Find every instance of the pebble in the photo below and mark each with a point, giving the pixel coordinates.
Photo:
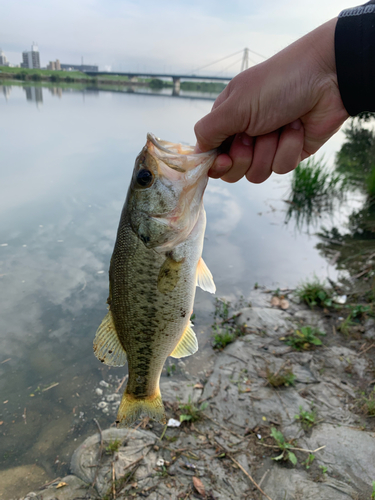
(103, 383)
(99, 391)
(102, 405)
(113, 397)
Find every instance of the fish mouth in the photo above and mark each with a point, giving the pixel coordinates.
(179, 158)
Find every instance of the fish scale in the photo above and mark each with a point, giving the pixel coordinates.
(155, 267)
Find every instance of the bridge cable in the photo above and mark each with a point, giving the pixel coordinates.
(219, 60)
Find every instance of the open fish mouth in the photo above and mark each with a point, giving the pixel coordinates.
(179, 157)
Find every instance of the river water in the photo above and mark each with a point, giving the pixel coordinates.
(66, 161)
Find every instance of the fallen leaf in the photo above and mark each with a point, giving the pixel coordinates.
(275, 301)
(284, 304)
(1, 422)
(61, 484)
(198, 386)
(5, 402)
(198, 485)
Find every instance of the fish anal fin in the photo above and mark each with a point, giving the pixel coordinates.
(204, 277)
(132, 408)
(187, 345)
(107, 346)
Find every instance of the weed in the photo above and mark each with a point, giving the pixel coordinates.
(225, 328)
(373, 491)
(367, 404)
(304, 338)
(313, 190)
(113, 447)
(171, 370)
(284, 447)
(222, 307)
(256, 285)
(344, 327)
(314, 293)
(222, 338)
(284, 376)
(359, 311)
(190, 412)
(307, 418)
(323, 469)
(309, 460)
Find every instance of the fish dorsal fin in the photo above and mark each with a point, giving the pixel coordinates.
(188, 344)
(204, 277)
(107, 346)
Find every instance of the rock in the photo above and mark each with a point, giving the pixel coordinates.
(180, 390)
(74, 488)
(17, 481)
(289, 484)
(135, 443)
(348, 453)
(272, 321)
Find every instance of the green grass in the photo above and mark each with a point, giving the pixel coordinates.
(305, 338)
(306, 418)
(314, 189)
(190, 412)
(225, 329)
(222, 338)
(113, 447)
(283, 377)
(25, 73)
(367, 403)
(315, 293)
(373, 491)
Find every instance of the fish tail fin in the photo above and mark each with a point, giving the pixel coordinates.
(131, 409)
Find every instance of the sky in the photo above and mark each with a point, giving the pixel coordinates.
(165, 35)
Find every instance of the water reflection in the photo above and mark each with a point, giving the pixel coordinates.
(34, 94)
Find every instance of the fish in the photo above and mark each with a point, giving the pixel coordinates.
(154, 270)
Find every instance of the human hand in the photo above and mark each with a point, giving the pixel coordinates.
(277, 113)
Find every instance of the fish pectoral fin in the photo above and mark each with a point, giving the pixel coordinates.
(107, 345)
(204, 277)
(169, 275)
(187, 345)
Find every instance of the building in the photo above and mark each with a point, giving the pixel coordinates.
(31, 59)
(54, 65)
(3, 59)
(79, 67)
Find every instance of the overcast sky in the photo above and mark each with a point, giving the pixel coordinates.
(164, 35)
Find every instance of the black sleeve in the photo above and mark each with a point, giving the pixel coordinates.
(355, 57)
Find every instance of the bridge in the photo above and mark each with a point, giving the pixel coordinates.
(176, 78)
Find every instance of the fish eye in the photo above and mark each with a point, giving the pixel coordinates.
(144, 178)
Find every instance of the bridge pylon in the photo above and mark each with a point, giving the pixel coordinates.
(245, 59)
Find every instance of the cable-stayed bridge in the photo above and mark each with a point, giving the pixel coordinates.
(176, 78)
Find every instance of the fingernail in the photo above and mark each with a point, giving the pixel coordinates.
(296, 125)
(245, 139)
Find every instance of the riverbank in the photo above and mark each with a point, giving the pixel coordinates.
(77, 77)
(272, 418)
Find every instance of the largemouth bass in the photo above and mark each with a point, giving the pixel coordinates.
(155, 267)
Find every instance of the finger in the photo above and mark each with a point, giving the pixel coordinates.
(221, 166)
(241, 153)
(224, 121)
(289, 149)
(264, 152)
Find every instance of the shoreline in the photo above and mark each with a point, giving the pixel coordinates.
(232, 437)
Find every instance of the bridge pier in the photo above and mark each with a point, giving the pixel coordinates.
(176, 85)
